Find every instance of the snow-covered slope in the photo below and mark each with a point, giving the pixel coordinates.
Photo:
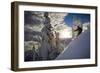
(78, 48)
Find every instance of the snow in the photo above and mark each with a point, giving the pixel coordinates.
(79, 48)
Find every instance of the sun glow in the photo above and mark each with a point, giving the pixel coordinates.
(65, 33)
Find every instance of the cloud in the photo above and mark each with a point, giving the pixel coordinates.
(64, 31)
(57, 21)
(86, 26)
(32, 28)
(33, 18)
(34, 23)
(57, 18)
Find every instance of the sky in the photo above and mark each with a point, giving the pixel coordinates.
(34, 18)
(84, 18)
(68, 19)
